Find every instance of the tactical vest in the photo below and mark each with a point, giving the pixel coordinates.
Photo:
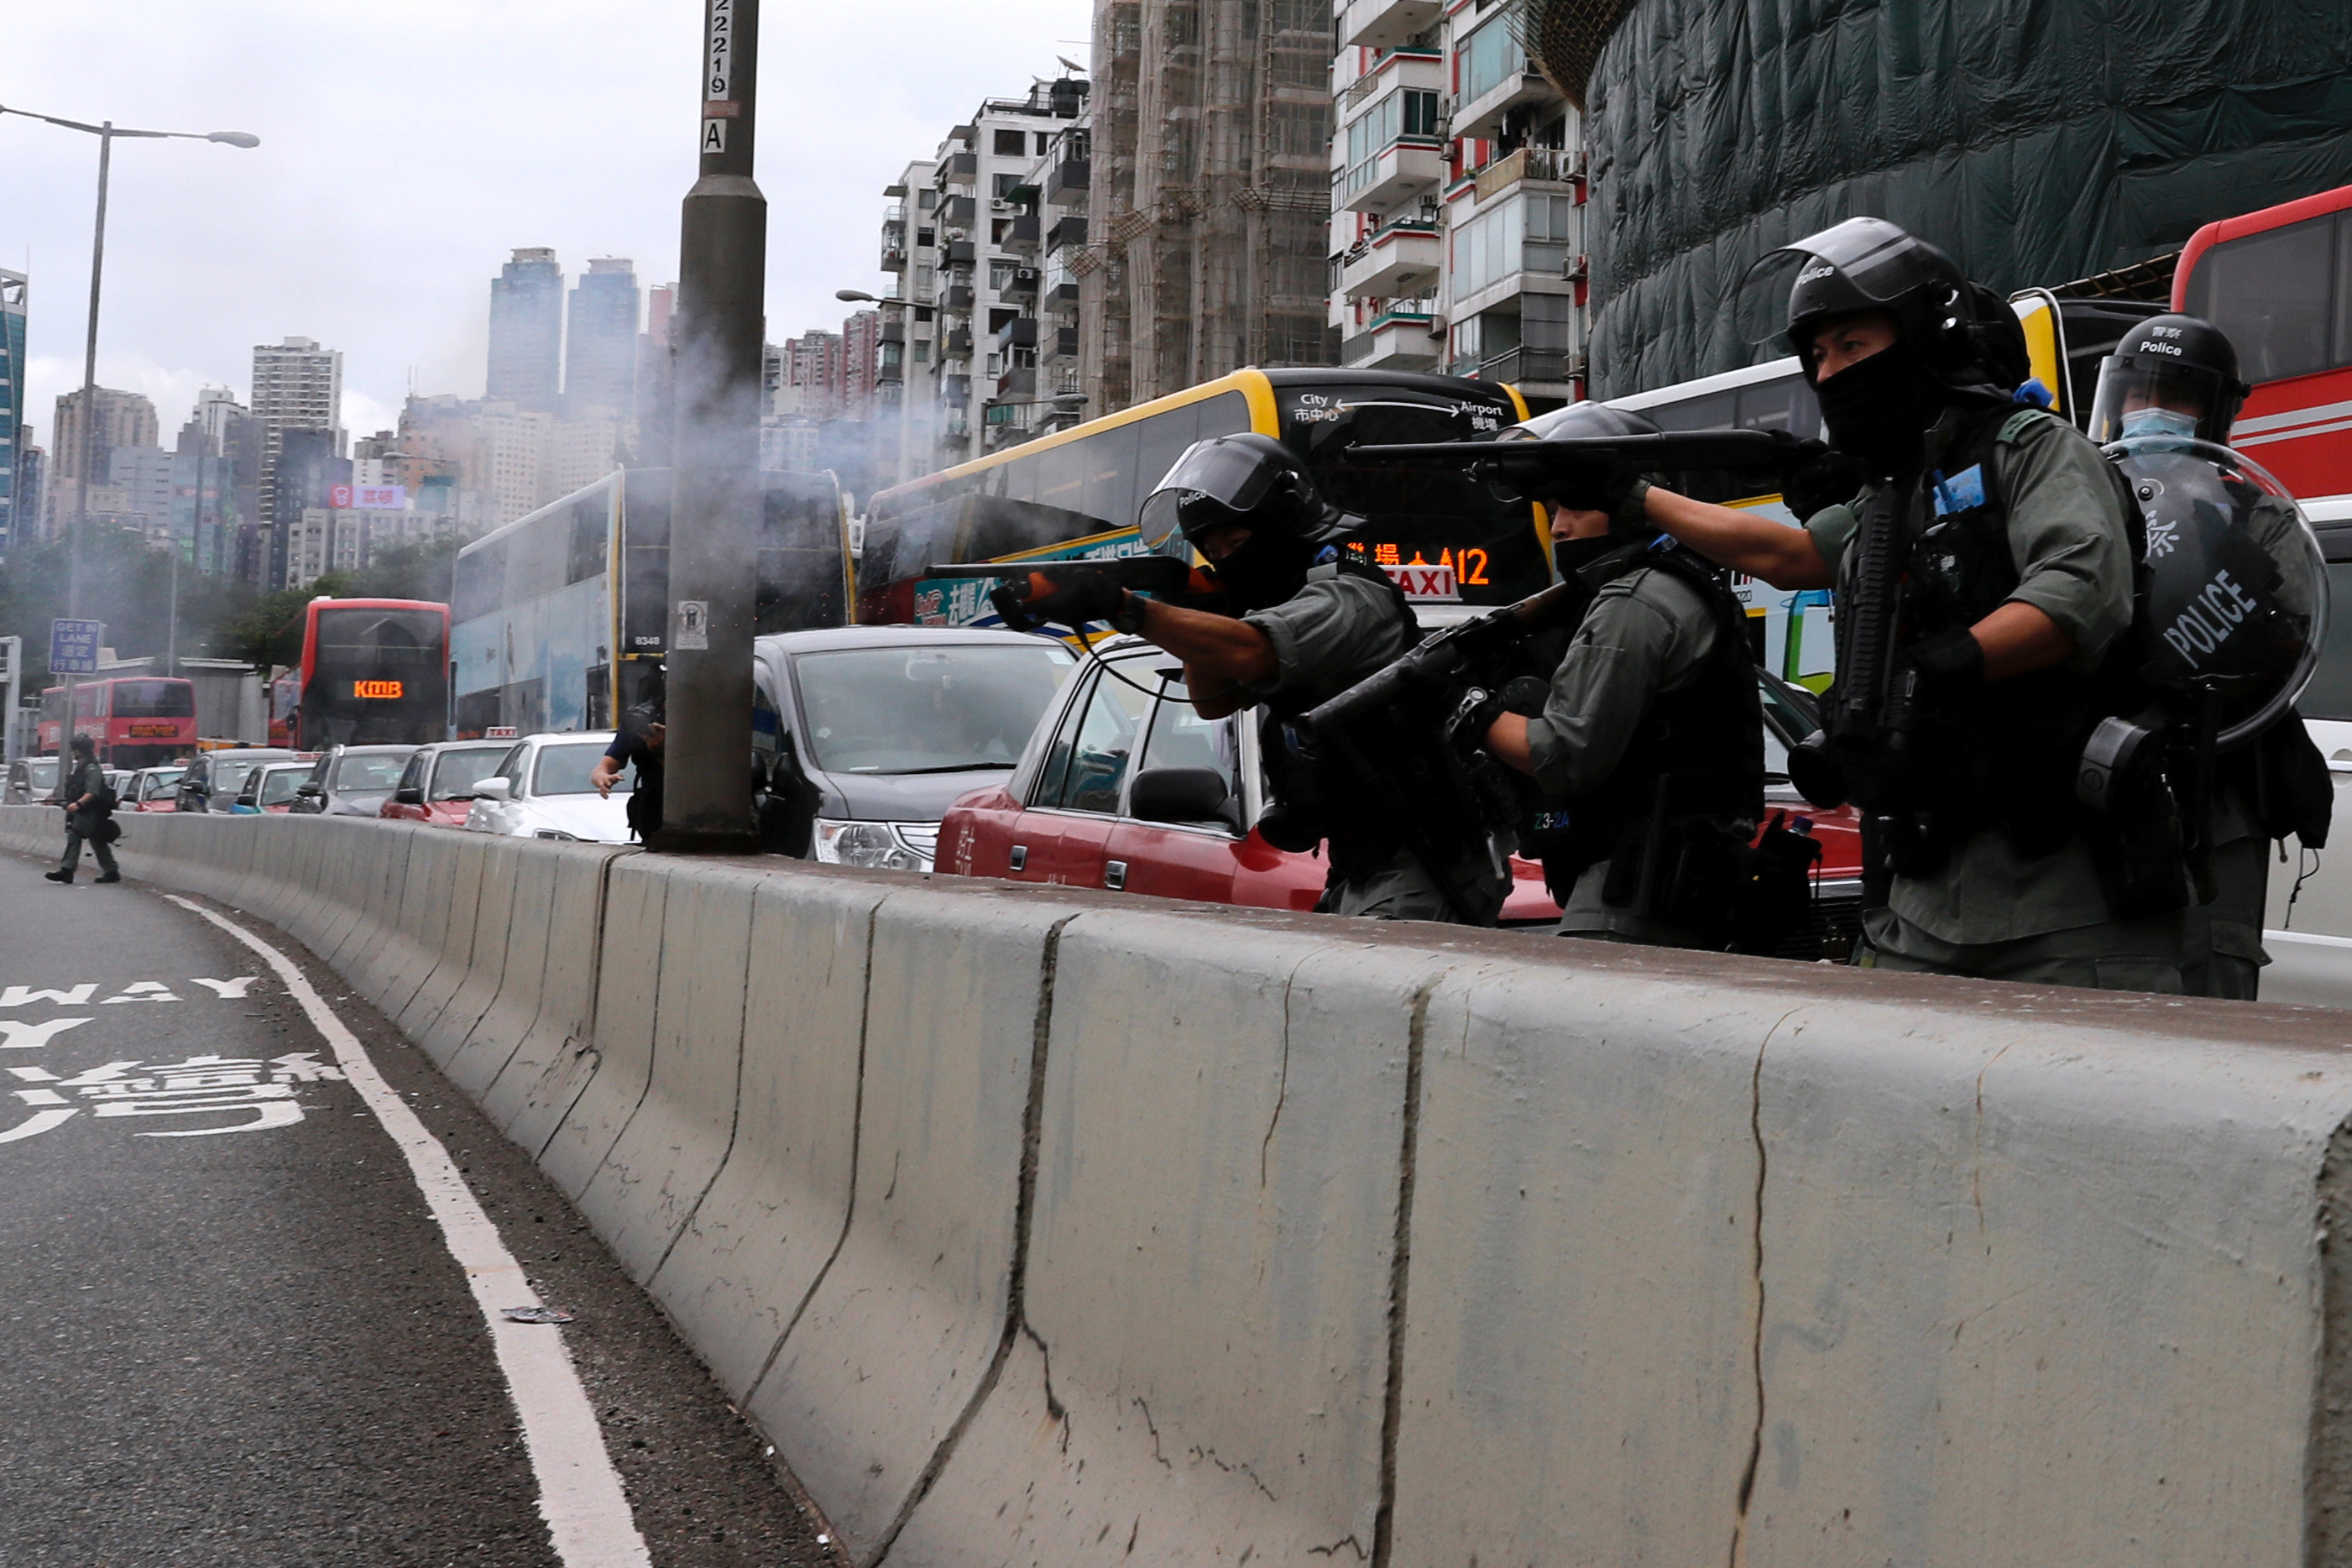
(1319, 790)
(2005, 755)
(1696, 755)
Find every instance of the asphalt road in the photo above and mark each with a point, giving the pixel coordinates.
(253, 1346)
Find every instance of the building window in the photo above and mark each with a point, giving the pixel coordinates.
(1528, 233)
(926, 238)
(922, 351)
(1408, 112)
(1490, 57)
(1003, 185)
(1011, 144)
(1000, 275)
(926, 199)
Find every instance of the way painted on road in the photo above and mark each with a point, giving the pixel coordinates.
(232, 1206)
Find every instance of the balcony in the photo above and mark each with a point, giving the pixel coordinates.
(1396, 339)
(1386, 23)
(1399, 173)
(1019, 333)
(1070, 230)
(893, 327)
(959, 169)
(1021, 233)
(1482, 117)
(1063, 296)
(958, 253)
(1060, 343)
(1530, 367)
(955, 390)
(1022, 285)
(957, 344)
(894, 248)
(1544, 165)
(957, 212)
(1019, 383)
(1066, 182)
(1397, 262)
(956, 297)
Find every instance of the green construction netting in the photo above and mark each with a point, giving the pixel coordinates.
(2037, 140)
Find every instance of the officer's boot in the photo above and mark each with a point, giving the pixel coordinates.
(60, 876)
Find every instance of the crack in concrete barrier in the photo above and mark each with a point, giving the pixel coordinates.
(1053, 1406)
(1976, 1163)
(1282, 1082)
(735, 1110)
(1016, 1303)
(1756, 1262)
(1400, 1276)
(856, 1141)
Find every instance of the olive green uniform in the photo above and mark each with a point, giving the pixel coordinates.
(1647, 633)
(1336, 631)
(1990, 912)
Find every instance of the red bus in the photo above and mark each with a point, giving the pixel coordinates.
(137, 722)
(2279, 281)
(374, 672)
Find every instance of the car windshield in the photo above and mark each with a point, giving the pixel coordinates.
(564, 769)
(228, 778)
(161, 783)
(41, 772)
(454, 774)
(279, 785)
(377, 771)
(925, 709)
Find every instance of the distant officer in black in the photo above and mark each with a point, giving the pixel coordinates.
(1649, 747)
(2172, 381)
(639, 744)
(1312, 624)
(89, 814)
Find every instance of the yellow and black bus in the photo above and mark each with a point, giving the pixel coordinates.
(1074, 495)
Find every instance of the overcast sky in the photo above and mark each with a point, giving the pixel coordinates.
(408, 146)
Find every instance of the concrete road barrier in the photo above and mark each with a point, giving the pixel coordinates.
(1056, 1227)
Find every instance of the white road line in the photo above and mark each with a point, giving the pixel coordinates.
(580, 1493)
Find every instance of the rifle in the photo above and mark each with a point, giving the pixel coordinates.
(1162, 576)
(1534, 468)
(1476, 651)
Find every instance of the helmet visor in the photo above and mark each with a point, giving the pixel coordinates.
(1213, 482)
(1862, 264)
(2141, 395)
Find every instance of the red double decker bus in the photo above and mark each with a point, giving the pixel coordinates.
(2279, 281)
(137, 721)
(374, 672)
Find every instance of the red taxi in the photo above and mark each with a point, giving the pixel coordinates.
(437, 785)
(152, 790)
(1074, 812)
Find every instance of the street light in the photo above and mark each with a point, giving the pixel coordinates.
(106, 131)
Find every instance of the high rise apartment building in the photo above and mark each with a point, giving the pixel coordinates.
(13, 431)
(527, 332)
(297, 385)
(1457, 185)
(966, 303)
(1211, 192)
(121, 419)
(599, 372)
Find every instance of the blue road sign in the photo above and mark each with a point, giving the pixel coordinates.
(73, 646)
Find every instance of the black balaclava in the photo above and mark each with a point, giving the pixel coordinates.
(1878, 410)
(1267, 570)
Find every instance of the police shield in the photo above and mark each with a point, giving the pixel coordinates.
(2234, 587)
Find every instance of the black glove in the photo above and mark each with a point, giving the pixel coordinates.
(1815, 477)
(1069, 595)
(1950, 663)
(1478, 708)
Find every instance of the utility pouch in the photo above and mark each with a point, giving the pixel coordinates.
(1773, 900)
(2142, 860)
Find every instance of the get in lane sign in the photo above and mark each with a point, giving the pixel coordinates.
(73, 646)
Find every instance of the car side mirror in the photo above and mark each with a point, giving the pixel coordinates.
(250, 800)
(410, 796)
(494, 789)
(310, 790)
(1178, 794)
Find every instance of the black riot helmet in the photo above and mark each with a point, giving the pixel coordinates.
(2169, 377)
(1961, 331)
(1248, 480)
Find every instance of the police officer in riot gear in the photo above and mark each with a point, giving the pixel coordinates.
(1649, 747)
(2168, 394)
(1311, 623)
(1984, 576)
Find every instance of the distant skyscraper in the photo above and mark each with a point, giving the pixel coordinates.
(599, 372)
(12, 402)
(125, 419)
(527, 332)
(655, 379)
(297, 385)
